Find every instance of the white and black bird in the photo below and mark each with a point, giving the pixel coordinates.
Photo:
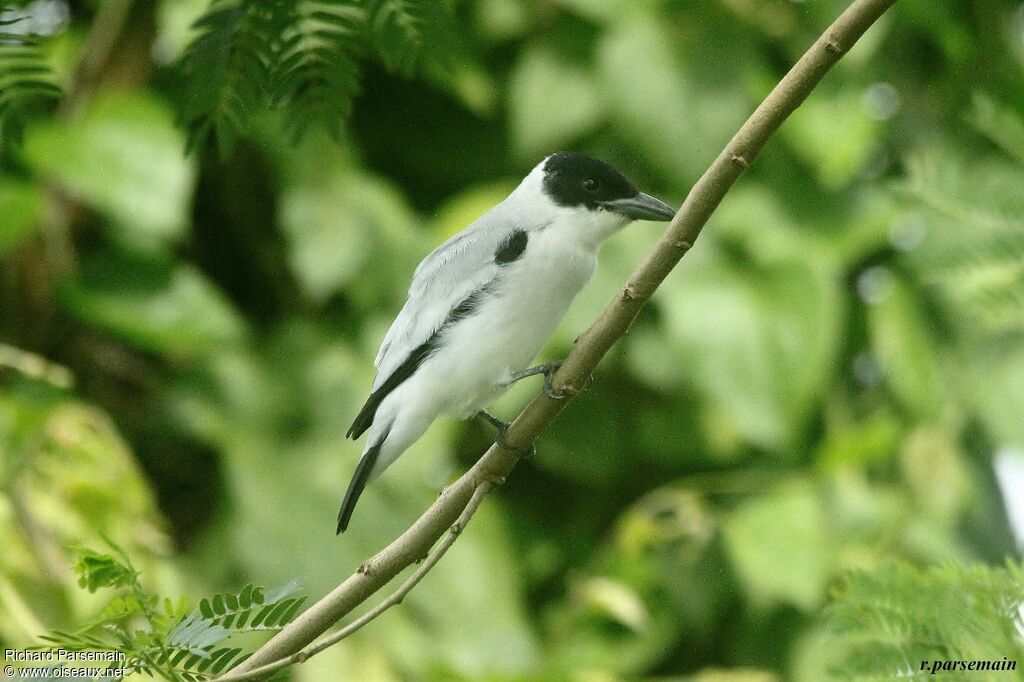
(485, 302)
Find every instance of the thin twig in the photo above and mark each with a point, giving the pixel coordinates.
(592, 345)
(396, 597)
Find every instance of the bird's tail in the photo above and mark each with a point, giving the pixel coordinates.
(359, 480)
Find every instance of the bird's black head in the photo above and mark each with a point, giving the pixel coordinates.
(574, 179)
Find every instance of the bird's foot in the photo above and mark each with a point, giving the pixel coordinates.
(548, 369)
(502, 426)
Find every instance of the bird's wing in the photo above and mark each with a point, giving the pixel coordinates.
(445, 279)
(445, 286)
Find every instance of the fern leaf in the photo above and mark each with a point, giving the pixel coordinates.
(27, 84)
(222, 659)
(302, 57)
(972, 247)
(890, 621)
(224, 614)
(227, 65)
(285, 591)
(316, 74)
(412, 35)
(245, 596)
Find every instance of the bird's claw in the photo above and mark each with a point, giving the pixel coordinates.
(549, 389)
(527, 453)
(502, 426)
(549, 369)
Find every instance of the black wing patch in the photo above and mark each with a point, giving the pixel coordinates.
(512, 248)
(403, 372)
(412, 363)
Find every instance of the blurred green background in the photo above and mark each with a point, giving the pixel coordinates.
(832, 379)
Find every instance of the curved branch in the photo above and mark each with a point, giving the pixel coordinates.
(592, 345)
(396, 598)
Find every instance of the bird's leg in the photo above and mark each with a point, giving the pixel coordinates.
(502, 426)
(548, 369)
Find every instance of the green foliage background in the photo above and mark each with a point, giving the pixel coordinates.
(822, 386)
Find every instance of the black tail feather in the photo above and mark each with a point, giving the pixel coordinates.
(359, 481)
(365, 416)
(409, 366)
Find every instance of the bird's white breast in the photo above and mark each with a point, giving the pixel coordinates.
(512, 323)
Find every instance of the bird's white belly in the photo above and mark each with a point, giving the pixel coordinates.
(507, 329)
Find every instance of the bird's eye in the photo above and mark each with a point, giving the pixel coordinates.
(591, 185)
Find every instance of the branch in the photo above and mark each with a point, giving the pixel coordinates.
(591, 346)
(396, 598)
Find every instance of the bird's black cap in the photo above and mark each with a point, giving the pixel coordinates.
(574, 179)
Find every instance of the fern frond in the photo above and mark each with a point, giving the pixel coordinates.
(193, 646)
(972, 248)
(411, 35)
(27, 83)
(302, 57)
(226, 68)
(890, 621)
(251, 610)
(316, 74)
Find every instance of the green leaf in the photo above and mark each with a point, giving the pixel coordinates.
(779, 546)
(276, 612)
(833, 132)
(288, 615)
(245, 596)
(195, 634)
(758, 342)
(870, 441)
(316, 75)
(222, 659)
(225, 68)
(224, 613)
(21, 206)
(676, 133)
(906, 347)
(97, 570)
(997, 390)
(124, 157)
(886, 620)
(970, 244)
(335, 225)
(27, 84)
(152, 304)
(542, 123)
(258, 619)
(412, 35)
(1000, 124)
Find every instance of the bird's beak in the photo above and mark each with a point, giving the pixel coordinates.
(641, 207)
